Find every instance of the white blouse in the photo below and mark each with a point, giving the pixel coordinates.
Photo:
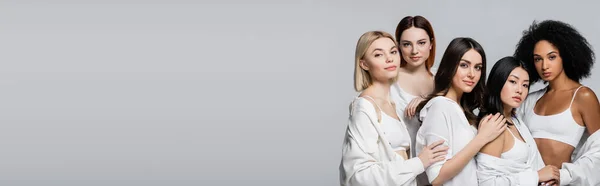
(443, 119)
(368, 157)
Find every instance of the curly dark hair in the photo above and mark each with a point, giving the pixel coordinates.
(576, 53)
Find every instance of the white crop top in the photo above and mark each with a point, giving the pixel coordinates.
(519, 151)
(394, 130)
(560, 127)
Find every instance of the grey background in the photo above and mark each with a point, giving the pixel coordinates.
(178, 92)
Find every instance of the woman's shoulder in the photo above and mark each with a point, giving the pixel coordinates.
(441, 101)
(586, 95)
(439, 105)
(496, 146)
(362, 104)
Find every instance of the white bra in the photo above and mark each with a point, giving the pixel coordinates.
(394, 130)
(560, 127)
(519, 151)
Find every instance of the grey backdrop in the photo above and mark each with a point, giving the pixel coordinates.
(161, 92)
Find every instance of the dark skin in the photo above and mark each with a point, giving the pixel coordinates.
(585, 109)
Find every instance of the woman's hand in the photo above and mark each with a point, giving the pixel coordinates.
(433, 153)
(411, 109)
(490, 127)
(549, 175)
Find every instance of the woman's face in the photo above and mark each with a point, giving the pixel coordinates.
(515, 88)
(547, 60)
(381, 60)
(415, 45)
(468, 72)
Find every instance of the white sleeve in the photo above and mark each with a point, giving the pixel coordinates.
(527, 107)
(435, 127)
(359, 165)
(521, 110)
(584, 170)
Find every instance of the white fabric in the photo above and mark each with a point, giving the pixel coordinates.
(393, 130)
(564, 128)
(585, 158)
(402, 99)
(519, 152)
(585, 168)
(444, 119)
(492, 170)
(367, 157)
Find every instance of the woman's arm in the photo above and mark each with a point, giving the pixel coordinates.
(589, 108)
(490, 128)
(453, 166)
(495, 147)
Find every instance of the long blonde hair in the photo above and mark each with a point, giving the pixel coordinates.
(362, 78)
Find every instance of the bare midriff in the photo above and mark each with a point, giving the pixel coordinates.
(554, 152)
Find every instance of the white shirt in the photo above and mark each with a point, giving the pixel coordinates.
(367, 157)
(584, 168)
(444, 119)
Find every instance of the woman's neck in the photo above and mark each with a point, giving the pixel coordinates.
(561, 82)
(420, 83)
(507, 112)
(380, 90)
(454, 94)
(416, 70)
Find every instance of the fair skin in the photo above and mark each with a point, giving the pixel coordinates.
(466, 78)
(585, 109)
(512, 95)
(415, 47)
(382, 61)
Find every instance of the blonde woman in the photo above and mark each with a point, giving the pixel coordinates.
(375, 146)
